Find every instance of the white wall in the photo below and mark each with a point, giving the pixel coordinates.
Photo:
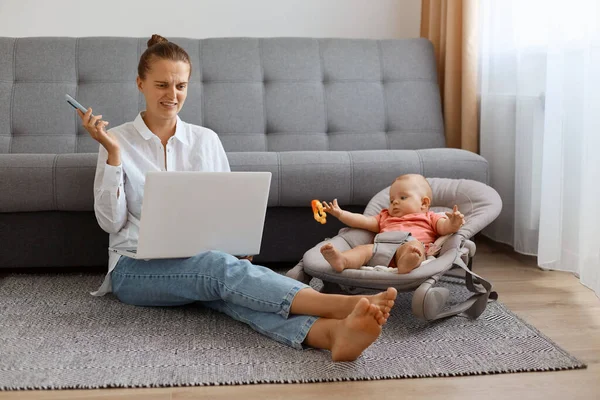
(211, 18)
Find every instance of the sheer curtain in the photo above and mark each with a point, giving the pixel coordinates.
(540, 129)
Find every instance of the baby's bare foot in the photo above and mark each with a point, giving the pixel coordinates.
(334, 257)
(408, 262)
(384, 300)
(409, 256)
(356, 332)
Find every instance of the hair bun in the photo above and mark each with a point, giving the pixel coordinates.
(155, 39)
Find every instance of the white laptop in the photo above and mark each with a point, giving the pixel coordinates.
(185, 213)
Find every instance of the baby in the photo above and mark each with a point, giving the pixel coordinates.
(408, 216)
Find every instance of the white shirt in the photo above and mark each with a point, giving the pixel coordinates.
(192, 148)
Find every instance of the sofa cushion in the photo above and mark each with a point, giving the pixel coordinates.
(48, 182)
(258, 94)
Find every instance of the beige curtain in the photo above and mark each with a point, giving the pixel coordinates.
(451, 25)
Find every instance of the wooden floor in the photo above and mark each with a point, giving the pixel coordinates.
(554, 302)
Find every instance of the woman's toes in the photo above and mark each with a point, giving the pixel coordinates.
(392, 293)
(363, 306)
(373, 310)
(378, 314)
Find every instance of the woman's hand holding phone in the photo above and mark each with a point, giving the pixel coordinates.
(95, 126)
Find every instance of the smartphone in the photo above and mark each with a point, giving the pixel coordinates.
(75, 104)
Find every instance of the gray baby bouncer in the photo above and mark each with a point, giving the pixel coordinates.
(479, 203)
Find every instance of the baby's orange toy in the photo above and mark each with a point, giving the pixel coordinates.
(319, 214)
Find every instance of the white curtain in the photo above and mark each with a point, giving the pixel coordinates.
(540, 129)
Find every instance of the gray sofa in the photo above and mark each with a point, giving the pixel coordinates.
(328, 117)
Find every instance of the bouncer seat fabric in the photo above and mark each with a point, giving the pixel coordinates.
(480, 205)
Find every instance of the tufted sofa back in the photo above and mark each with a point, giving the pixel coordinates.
(271, 94)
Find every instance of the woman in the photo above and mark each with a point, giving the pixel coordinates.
(289, 311)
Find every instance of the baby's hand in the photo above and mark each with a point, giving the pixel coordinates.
(332, 208)
(455, 219)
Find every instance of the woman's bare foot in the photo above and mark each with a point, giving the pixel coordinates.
(384, 300)
(334, 257)
(343, 304)
(308, 301)
(356, 332)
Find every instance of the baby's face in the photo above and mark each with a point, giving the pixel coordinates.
(406, 197)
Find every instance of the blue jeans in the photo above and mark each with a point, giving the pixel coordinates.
(248, 293)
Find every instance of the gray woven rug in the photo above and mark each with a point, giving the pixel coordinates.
(53, 335)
